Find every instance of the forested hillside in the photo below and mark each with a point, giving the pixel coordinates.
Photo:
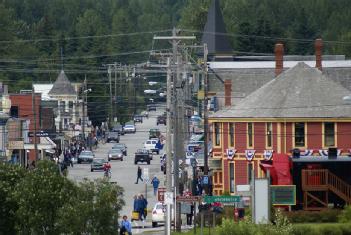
(95, 32)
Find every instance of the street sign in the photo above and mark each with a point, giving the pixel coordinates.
(188, 198)
(221, 199)
(161, 194)
(205, 179)
(283, 195)
(169, 198)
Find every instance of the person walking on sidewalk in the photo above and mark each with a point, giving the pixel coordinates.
(138, 175)
(155, 183)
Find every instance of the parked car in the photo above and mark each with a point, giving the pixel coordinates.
(142, 155)
(97, 164)
(85, 156)
(122, 147)
(151, 146)
(129, 128)
(115, 154)
(161, 120)
(151, 107)
(138, 118)
(112, 136)
(119, 129)
(158, 214)
(154, 133)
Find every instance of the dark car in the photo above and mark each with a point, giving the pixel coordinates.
(154, 133)
(138, 118)
(115, 154)
(161, 120)
(97, 164)
(112, 136)
(122, 147)
(151, 107)
(119, 129)
(85, 156)
(142, 155)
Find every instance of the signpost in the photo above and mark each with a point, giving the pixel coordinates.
(146, 179)
(188, 198)
(221, 199)
(283, 195)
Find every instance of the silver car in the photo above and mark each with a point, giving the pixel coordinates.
(129, 128)
(115, 154)
(85, 156)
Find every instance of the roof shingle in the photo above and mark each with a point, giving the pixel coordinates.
(62, 86)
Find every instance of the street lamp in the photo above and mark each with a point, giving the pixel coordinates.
(85, 100)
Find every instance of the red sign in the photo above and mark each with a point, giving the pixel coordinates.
(188, 198)
(161, 194)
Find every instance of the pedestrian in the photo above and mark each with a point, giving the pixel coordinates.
(138, 175)
(126, 226)
(143, 208)
(155, 183)
(189, 217)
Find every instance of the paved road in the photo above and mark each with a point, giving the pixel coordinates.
(124, 173)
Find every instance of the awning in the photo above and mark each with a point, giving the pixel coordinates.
(45, 143)
(321, 159)
(51, 151)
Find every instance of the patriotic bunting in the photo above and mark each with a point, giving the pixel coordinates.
(230, 153)
(268, 154)
(249, 154)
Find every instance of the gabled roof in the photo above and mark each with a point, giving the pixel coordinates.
(300, 92)
(62, 86)
(214, 32)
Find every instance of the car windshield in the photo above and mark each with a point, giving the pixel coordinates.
(87, 153)
(142, 151)
(116, 151)
(99, 160)
(148, 142)
(118, 146)
(129, 126)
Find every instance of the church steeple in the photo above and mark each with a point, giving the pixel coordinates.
(214, 32)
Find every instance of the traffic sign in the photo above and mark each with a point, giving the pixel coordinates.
(221, 199)
(205, 179)
(188, 198)
(161, 194)
(169, 198)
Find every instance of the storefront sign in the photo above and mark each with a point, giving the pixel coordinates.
(15, 145)
(161, 194)
(188, 198)
(283, 195)
(221, 199)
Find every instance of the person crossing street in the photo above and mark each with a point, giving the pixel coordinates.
(155, 183)
(139, 175)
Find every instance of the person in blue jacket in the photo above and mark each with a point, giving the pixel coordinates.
(126, 226)
(155, 183)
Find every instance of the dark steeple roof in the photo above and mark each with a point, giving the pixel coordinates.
(217, 42)
(62, 86)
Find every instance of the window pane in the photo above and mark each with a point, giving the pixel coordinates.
(269, 134)
(217, 134)
(250, 134)
(249, 172)
(329, 134)
(231, 175)
(231, 133)
(299, 134)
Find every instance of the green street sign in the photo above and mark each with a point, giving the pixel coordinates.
(221, 199)
(283, 195)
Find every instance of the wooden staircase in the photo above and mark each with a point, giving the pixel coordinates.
(316, 185)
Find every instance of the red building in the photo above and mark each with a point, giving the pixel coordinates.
(300, 109)
(22, 107)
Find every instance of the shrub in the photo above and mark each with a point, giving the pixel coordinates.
(324, 216)
(345, 216)
(321, 229)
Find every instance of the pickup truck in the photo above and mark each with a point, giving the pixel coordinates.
(142, 155)
(161, 120)
(150, 145)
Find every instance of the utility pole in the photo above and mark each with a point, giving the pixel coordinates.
(84, 116)
(34, 110)
(205, 71)
(174, 39)
(111, 98)
(115, 108)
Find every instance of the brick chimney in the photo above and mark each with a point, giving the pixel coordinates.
(228, 92)
(318, 46)
(279, 58)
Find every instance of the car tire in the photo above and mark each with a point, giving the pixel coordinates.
(135, 162)
(121, 159)
(91, 170)
(154, 224)
(108, 159)
(158, 152)
(148, 162)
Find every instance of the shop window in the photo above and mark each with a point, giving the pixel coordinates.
(231, 178)
(250, 134)
(231, 134)
(300, 134)
(217, 133)
(269, 135)
(329, 134)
